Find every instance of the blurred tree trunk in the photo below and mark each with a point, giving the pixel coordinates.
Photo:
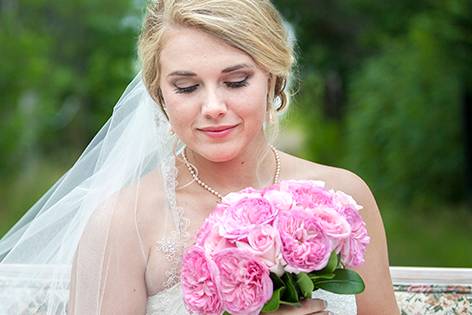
(334, 95)
(467, 123)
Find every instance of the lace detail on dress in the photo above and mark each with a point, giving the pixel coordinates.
(183, 224)
(172, 248)
(172, 245)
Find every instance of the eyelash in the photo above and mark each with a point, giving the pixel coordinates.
(232, 85)
(238, 84)
(185, 90)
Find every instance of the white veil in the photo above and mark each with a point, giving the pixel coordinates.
(132, 153)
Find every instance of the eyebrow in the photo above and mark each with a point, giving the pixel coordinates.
(236, 67)
(182, 74)
(226, 70)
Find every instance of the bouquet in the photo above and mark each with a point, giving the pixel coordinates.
(262, 248)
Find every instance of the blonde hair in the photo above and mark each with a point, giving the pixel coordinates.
(254, 26)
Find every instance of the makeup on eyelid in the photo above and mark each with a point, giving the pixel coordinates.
(231, 84)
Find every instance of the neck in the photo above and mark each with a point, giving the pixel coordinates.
(254, 167)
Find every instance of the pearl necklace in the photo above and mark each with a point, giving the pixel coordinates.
(193, 171)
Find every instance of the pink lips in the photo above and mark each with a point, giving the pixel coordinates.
(218, 131)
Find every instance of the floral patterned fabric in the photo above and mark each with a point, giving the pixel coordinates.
(420, 299)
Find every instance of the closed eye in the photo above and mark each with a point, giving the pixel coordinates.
(231, 84)
(186, 89)
(237, 84)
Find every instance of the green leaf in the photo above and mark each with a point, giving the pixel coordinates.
(345, 281)
(316, 277)
(226, 313)
(278, 283)
(274, 303)
(332, 263)
(328, 271)
(340, 263)
(305, 284)
(290, 294)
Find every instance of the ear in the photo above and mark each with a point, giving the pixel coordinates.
(271, 80)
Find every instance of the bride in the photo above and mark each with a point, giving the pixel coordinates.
(194, 125)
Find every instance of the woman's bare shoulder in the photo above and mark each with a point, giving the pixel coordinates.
(335, 177)
(375, 270)
(137, 208)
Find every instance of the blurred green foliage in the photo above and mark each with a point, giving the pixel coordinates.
(382, 90)
(383, 87)
(405, 111)
(62, 65)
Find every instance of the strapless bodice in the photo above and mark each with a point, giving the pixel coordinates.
(170, 302)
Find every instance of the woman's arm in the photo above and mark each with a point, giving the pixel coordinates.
(108, 271)
(378, 297)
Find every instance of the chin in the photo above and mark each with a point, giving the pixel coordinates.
(219, 152)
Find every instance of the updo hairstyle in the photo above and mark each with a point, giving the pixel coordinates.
(253, 26)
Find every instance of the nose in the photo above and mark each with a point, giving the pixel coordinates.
(214, 105)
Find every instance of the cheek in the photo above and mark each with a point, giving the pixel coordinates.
(180, 110)
(252, 105)
(180, 120)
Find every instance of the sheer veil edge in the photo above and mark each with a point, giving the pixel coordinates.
(102, 194)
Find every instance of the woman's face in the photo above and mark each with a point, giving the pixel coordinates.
(215, 95)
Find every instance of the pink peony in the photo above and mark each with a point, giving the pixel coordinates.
(343, 200)
(281, 200)
(245, 285)
(242, 216)
(307, 193)
(305, 247)
(235, 197)
(199, 283)
(354, 248)
(264, 241)
(205, 229)
(331, 222)
(210, 239)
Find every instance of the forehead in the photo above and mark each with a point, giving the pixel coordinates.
(194, 50)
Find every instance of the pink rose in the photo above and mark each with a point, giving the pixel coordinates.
(204, 231)
(331, 222)
(264, 241)
(305, 247)
(199, 285)
(235, 197)
(241, 217)
(344, 200)
(307, 193)
(354, 248)
(245, 285)
(281, 200)
(212, 240)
